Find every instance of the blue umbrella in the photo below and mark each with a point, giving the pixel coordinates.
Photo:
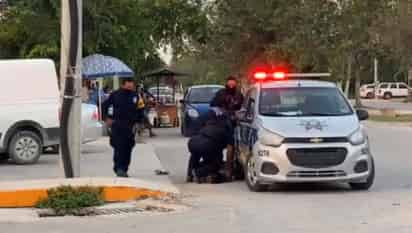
(100, 66)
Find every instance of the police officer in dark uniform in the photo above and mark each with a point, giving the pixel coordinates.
(125, 115)
(230, 100)
(208, 146)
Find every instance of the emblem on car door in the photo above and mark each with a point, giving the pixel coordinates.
(313, 124)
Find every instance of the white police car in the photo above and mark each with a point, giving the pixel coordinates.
(297, 130)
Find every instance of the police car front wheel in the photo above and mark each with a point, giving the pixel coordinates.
(252, 178)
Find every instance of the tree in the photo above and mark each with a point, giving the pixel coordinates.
(28, 33)
(132, 30)
(361, 42)
(300, 35)
(395, 33)
(306, 36)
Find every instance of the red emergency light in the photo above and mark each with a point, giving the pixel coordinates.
(276, 75)
(260, 75)
(279, 75)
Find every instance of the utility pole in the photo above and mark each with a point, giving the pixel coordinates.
(70, 73)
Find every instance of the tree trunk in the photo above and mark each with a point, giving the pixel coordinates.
(396, 75)
(348, 76)
(358, 102)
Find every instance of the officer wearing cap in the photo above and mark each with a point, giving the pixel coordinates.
(125, 116)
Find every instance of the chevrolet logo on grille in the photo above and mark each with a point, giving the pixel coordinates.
(316, 140)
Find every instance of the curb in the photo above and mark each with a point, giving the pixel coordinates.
(380, 112)
(28, 193)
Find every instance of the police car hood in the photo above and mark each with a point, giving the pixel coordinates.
(340, 126)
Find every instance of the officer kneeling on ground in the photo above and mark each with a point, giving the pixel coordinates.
(208, 146)
(125, 116)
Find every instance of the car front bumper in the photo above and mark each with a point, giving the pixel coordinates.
(291, 173)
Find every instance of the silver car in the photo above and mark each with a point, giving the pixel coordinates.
(302, 131)
(92, 128)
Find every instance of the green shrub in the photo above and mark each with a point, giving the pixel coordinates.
(67, 200)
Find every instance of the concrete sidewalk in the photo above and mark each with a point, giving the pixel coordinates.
(20, 185)
(96, 161)
(96, 170)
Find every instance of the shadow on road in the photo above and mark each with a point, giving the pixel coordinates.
(310, 187)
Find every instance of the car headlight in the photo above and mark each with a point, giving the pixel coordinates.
(358, 137)
(192, 113)
(269, 138)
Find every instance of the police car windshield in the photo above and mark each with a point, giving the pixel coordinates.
(303, 101)
(202, 95)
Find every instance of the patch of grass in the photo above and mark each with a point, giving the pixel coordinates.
(398, 118)
(68, 200)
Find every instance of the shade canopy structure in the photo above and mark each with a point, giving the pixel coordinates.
(101, 66)
(164, 72)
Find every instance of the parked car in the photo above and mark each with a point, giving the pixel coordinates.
(367, 91)
(392, 90)
(29, 116)
(92, 128)
(195, 106)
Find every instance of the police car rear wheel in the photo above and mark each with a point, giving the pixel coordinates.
(251, 178)
(369, 181)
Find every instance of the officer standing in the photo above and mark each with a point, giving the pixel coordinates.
(230, 100)
(125, 115)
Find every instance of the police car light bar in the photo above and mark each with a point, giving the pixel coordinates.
(280, 75)
(308, 75)
(277, 75)
(260, 75)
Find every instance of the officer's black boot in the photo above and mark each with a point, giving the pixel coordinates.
(189, 177)
(121, 173)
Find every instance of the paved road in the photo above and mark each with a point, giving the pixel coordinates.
(304, 208)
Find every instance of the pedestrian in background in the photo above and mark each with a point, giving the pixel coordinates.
(143, 107)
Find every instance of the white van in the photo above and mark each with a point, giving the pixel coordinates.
(29, 109)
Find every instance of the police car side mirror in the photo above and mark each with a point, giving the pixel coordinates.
(363, 115)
